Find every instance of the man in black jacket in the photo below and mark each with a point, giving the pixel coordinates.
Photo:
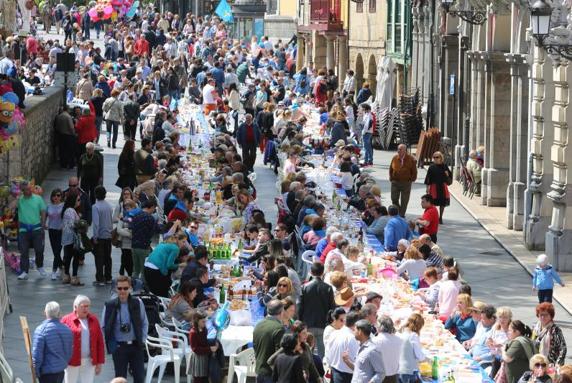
(125, 327)
(316, 301)
(131, 111)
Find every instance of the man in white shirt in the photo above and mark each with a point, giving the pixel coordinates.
(387, 343)
(209, 94)
(342, 350)
(349, 83)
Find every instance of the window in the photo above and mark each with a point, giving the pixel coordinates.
(359, 7)
(372, 6)
(397, 30)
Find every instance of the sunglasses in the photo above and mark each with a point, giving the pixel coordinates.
(282, 285)
(122, 288)
(194, 227)
(72, 185)
(543, 365)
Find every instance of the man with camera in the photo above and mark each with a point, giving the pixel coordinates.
(125, 328)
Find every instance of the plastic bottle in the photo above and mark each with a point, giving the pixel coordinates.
(435, 369)
(369, 268)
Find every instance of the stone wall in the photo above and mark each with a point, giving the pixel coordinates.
(34, 156)
(279, 27)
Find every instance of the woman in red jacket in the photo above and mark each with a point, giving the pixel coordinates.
(88, 347)
(85, 127)
(199, 366)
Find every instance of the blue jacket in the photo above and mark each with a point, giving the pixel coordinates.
(164, 256)
(544, 277)
(395, 230)
(104, 86)
(321, 246)
(241, 134)
(52, 347)
(465, 327)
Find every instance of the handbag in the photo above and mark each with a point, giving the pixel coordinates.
(501, 374)
(115, 238)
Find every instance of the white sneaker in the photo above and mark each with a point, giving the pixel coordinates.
(42, 272)
(23, 276)
(55, 276)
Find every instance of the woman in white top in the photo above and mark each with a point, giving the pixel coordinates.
(413, 264)
(499, 336)
(69, 219)
(448, 292)
(336, 319)
(411, 352)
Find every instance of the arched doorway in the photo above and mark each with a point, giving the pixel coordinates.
(359, 72)
(372, 74)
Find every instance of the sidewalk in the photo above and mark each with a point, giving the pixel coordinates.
(493, 220)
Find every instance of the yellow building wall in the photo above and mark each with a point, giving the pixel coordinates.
(288, 8)
(344, 11)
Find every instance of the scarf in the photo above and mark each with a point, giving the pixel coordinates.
(543, 338)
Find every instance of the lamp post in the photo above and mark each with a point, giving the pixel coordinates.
(471, 17)
(540, 13)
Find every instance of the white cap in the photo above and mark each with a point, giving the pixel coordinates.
(541, 259)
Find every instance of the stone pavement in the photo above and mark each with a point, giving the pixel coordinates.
(493, 220)
(494, 275)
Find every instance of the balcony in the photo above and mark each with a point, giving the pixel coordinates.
(325, 15)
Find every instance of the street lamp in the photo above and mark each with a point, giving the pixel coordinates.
(471, 17)
(540, 13)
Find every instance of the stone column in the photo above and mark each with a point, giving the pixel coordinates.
(301, 52)
(416, 49)
(307, 50)
(559, 235)
(497, 99)
(343, 59)
(518, 135)
(537, 222)
(330, 57)
(462, 110)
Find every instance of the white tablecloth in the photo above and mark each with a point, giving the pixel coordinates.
(234, 337)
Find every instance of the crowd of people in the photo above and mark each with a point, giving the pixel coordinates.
(253, 97)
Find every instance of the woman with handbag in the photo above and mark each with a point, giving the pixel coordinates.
(113, 115)
(71, 256)
(437, 180)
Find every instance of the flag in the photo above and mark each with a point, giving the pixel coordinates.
(224, 11)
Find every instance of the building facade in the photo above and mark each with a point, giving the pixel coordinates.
(322, 35)
(490, 85)
(367, 43)
(281, 18)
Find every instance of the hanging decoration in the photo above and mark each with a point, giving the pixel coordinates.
(112, 9)
(12, 120)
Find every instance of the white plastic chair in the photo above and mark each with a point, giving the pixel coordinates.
(167, 356)
(6, 373)
(183, 349)
(242, 365)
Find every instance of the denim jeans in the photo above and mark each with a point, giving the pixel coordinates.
(56, 244)
(129, 356)
(26, 240)
(112, 128)
(103, 260)
(368, 148)
(407, 378)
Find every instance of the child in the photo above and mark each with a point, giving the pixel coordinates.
(199, 366)
(347, 179)
(311, 341)
(543, 279)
